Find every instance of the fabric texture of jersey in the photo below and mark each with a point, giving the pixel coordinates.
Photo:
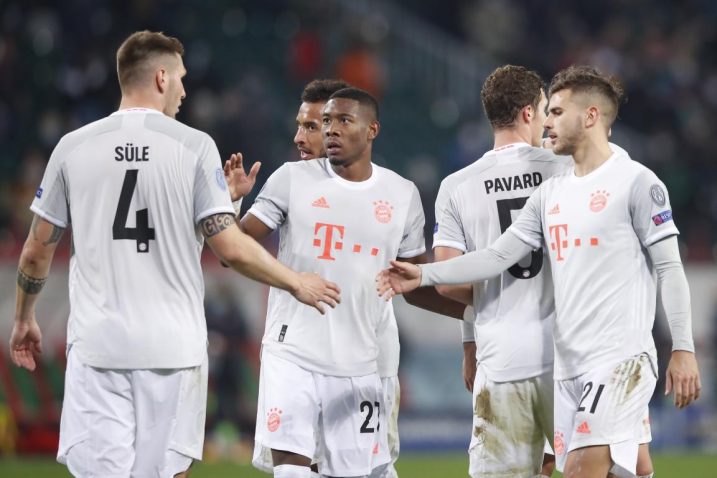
(597, 228)
(474, 207)
(389, 347)
(134, 185)
(346, 232)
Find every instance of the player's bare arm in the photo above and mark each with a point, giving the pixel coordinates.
(462, 293)
(240, 183)
(469, 366)
(246, 256)
(32, 272)
(429, 298)
(253, 227)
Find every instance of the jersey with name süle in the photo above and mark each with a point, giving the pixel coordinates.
(134, 186)
(597, 228)
(514, 311)
(347, 232)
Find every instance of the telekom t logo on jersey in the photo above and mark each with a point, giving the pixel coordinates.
(559, 240)
(330, 237)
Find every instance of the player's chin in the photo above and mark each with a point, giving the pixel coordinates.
(562, 148)
(336, 160)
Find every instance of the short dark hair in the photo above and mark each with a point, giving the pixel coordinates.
(508, 90)
(137, 49)
(363, 97)
(320, 90)
(586, 79)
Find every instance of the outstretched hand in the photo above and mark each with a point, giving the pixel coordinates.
(240, 183)
(400, 278)
(25, 343)
(313, 291)
(683, 376)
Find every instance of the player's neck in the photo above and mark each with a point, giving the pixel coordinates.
(591, 155)
(140, 101)
(504, 137)
(359, 170)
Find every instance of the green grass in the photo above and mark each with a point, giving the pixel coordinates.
(409, 466)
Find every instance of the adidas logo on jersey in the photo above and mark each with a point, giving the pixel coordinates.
(583, 428)
(555, 210)
(321, 202)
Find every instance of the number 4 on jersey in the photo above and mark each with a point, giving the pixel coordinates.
(141, 233)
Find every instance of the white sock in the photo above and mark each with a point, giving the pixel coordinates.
(292, 471)
(647, 476)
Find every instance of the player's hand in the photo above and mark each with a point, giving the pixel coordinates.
(240, 183)
(470, 365)
(683, 376)
(313, 291)
(25, 343)
(400, 278)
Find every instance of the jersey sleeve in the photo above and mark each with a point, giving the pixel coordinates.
(528, 226)
(448, 230)
(650, 209)
(272, 203)
(413, 242)
(52, 197)
(211, 193)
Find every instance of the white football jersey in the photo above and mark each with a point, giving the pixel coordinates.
(514, 311)
(347, 232)
(597, 228)
(134, 185)
(389, 346)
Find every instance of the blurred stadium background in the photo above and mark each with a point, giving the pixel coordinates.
(425, 60)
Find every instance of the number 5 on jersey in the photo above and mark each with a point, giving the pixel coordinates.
(141, 233)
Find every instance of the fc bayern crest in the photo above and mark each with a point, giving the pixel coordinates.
(383, 211)
(598, 200)
(658, 195)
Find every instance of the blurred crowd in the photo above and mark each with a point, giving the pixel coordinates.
(663, 52)
(247, 64)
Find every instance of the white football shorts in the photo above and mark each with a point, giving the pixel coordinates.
(122, 423)
(339, 420)
(392, 399)
(606, 406)
(511, 422)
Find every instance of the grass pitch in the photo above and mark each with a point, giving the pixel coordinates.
(409, 466)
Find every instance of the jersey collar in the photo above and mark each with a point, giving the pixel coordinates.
(126, 111)
(508, 147)
(352, 184)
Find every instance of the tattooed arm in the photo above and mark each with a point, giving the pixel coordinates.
(243, 254)
(32, 272)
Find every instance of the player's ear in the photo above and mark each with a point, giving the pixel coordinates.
(527, 113)
(373, 128)
(160, 79)
(592, 116)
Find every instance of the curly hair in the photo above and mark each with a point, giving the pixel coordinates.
(508, 90)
